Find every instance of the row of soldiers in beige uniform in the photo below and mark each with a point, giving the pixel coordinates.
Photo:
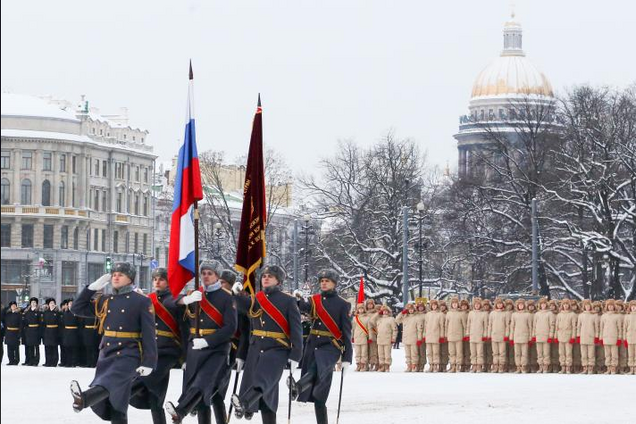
(522, 336)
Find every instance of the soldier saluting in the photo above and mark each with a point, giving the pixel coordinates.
(128, 347)
(207, 351)
(149, 392)
(329, 340)
(276, 341)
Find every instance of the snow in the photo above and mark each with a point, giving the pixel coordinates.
(371, 398)
(25, 105)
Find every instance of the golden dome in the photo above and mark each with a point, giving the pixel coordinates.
(510, 75)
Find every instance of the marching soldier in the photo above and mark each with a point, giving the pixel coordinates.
(70, 336)
(544, 323)
(51, 333)
(32, 336)
(421, 345)
(587, 331)
(329, 341)
(611, 334)
(207, 351)
(128, 348)
(629, 338)
(387, 332)
(434, 333)
(498, 334)
(456, 332)
(411, 334)
(13, 328)
(565, 333)
(149, 392)
(520, 334)
(362, 337)
(276, 341)
(477, 331)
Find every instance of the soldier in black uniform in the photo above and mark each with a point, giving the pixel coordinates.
(70, 336)
(128, 347)
(13, 328)
(208, 352)
(90, 340)
(329, 340)
(150, 392)
(51, 319)
(2, 311)
(32, 335)
(63, 309)
(276, 342)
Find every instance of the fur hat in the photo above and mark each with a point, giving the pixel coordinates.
(160, 273)
(434, 302)
(125, 268)
(276, 271)
(385, 308)
(49, 300)
(586, 302)
(542, 301)
(477, 300)
(486, 303)
(610, 302)
(34, 299)
(498, 301)
(455, 299)
(520, 302)
(631, 303)
(228, 276)
(464, 302)
(530, 303)
(13, 302)
(329, 274)
(214, 266)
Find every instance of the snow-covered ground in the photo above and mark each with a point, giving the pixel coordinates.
(41, 395)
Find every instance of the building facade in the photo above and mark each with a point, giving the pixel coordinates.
(76, 190)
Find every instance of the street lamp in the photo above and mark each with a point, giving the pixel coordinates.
(420, 211)
(217, 239)
(306, 228)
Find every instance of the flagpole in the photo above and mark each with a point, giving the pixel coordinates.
(197, 308)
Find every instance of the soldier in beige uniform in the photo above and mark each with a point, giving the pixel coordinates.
(455, 324)
(599, 351)
(577, 366)
(477, 331)
(554, 347)
(434, 330)
(622, 349)
(372, 310)
(421, 346)
(387, 332)
(443, 347)
(488, 360)
(363, 334)
(411, 333)
(543, 334)
(587, 330)
(533, 363)
(629, 336)
(565, 334)
(520, 334)
(510, 352)
(498, 331)
(611, 334)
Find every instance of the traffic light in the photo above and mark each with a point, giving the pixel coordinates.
(108, 265)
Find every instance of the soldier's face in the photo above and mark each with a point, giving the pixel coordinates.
(51, 305)
(119, 280)
(588, 307)
(69, 304)
(566, 306)
(477, 306)
(360, 310)
(326, 284)
(268, 280)
(14, 308)
(434, 306)
(543, 306)
(521, 307)
(610, 307)
(499, 306)
(159, 283)
(633, 308)
(34, 304)
(454, 305)
(209, 277)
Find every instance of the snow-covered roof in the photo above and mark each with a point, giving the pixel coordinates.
(31, 106)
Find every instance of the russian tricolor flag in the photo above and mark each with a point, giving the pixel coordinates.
(187, 191)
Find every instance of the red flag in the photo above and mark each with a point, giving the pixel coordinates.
(251, 242)
(361, 290)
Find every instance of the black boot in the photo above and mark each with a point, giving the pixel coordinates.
(305, 383)
(268, 416)
(158, 416)
(182, 410)
(246, 402)
(88, 398)
(219, 410)
(118, 418)
(321, 413)
(204, 414)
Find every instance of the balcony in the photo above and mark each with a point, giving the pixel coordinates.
(43, 211)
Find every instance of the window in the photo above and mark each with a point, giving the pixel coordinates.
(62, 163)
(104, 202)
(76, 238)
(116, 241)
(145, 244)
(73, 203)
(145, 206)
(97, 167)
(5, 194)
(25, 192)
(46, 193)
(119, 201)
(69, 273)
(128, 201)
(5, 235)
(96, 200)
(145, 175)
(16, 272)
(104, 169)
(96, 239)
(64, 237)
(127, 242)
(48, 237)
(62, 194)
(27, 235)
(128, 170)
(136, 243)
(137, 173)
(47, 161)
(88, 239)
(136, 204)
(74, 164)
(27, 160)
(5, 162)
(103, 240)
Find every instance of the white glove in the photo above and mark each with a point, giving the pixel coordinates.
(345, 366)
(298, 294)
(144, 371)
(293, 365)
(195, 296)
(239, 364)
(199, 344)
(237, 287)
(183, 367)
(100, 283)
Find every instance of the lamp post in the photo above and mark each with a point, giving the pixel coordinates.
(306, 229)
(217, 239)
(420, 211)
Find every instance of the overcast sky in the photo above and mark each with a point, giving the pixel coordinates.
(327, 70)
